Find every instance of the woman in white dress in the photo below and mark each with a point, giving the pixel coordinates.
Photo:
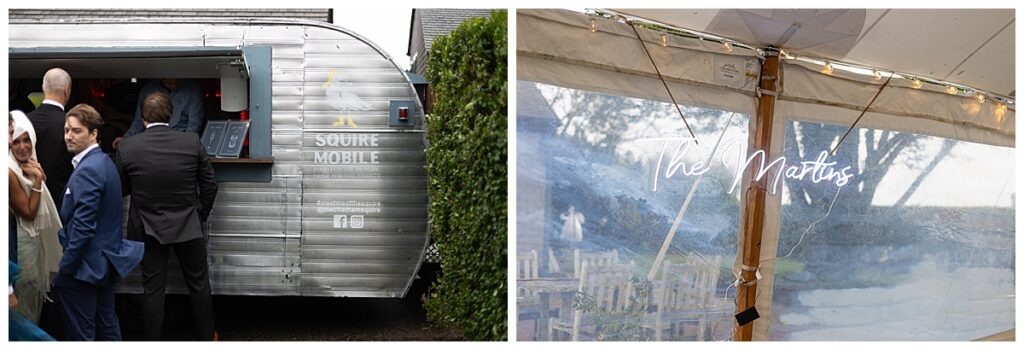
(39, 251)
(572, 227)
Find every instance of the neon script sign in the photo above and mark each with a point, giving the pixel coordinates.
(816, 171)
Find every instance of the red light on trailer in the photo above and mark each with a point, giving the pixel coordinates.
(244, 115)
(403, 114)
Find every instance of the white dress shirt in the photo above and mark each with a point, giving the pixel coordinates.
(78, 157)
(55, 103)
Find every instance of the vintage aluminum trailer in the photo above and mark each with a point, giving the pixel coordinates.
(332, 198)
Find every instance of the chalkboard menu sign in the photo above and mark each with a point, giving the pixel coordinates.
(234, 137)
(213, 136)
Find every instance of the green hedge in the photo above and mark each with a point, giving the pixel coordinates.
(467, 169)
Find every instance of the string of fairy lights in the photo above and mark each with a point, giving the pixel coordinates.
(828, 66)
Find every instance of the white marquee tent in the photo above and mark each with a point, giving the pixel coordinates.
(944, 74)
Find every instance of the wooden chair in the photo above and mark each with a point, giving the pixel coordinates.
(527, 268)
(596, 260)
(685, 294)
(527, 303)
(607, 285)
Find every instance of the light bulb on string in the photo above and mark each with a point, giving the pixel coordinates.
(664, 40)
(876, 74)
(951, 90)
(916, 84)
(827, 69)
(978, 96)
(726, 46)
(593, 26)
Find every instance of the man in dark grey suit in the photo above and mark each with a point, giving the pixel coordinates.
(169, 176)
(48, 120)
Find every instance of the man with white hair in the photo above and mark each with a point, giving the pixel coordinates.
(48, 121)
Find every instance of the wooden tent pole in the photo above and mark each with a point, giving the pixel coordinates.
(754, 213)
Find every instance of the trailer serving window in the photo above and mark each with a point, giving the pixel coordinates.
(235, 83)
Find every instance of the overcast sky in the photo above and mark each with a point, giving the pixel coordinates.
(388, 28)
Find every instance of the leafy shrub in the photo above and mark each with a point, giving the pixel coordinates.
(467, 169)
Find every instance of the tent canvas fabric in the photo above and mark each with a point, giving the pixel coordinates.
(550, 49)
(973, 47)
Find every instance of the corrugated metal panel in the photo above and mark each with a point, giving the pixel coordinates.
(345, 211)
(286, 54)
(15, 15)
(107, 35)
(287, 90)
(226, 36)
(287, 156)
(250, 228)
(364, 203)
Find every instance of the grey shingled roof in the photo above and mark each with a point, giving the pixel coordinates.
(23, 15)
(437, 22)
(531, 103)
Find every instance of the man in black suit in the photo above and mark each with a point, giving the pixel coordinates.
(171, 181)
(48, 120)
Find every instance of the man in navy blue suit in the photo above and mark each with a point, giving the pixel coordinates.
(95, 254)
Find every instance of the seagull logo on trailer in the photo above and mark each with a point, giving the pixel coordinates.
(817, 170)
(341, 96)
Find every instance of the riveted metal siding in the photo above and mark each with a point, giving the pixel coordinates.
(355, 166)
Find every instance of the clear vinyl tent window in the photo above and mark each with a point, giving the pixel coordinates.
(918, 246)
(601, 179)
